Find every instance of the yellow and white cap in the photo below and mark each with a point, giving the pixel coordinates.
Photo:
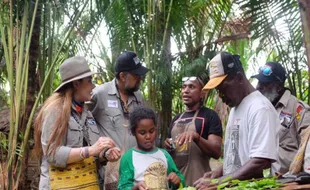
(220, 67)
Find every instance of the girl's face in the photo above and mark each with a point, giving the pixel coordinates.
(145, 134)
(83, 89)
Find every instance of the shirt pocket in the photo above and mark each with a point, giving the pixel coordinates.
(93, 131)
(113, 119)
(74, 136)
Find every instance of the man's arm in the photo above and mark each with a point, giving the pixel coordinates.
(211, 140)
(252, 169)
(211, 147)
(303, 118)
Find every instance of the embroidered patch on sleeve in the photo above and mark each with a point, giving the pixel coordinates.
(298, 110)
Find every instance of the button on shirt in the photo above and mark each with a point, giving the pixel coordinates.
(107, 110)
(295, 117)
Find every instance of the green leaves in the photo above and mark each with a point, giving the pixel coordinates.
(262, 184)
(276, 25)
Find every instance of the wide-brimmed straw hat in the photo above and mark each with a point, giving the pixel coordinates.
(73, 69)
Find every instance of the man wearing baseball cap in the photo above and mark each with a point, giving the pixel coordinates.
(251, 138)
(112, 102)
(294, 114)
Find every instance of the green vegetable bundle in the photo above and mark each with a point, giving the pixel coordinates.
(262, 184)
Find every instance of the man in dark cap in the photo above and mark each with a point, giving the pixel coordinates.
(112, 102)
(293, 113)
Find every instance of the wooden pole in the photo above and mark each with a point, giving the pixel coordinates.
(304, 9)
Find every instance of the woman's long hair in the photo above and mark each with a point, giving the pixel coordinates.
(58, 103)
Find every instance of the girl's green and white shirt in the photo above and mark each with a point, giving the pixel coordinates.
(151, 167)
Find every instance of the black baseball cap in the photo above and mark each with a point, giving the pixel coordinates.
(128, 61)
(220, 66)
(271, 72)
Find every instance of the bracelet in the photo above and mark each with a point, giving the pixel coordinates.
(104, 153)
(81, 154)
(86, 152)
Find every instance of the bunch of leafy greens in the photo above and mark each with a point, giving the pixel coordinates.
(188, 188)
(266, 183)
(262, 184)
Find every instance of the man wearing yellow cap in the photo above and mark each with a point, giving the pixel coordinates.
(251, 139)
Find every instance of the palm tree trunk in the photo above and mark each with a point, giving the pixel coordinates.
(32, 88)
(166, 100)
(304, 9)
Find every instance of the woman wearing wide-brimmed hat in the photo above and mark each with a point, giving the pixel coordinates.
(66, 135)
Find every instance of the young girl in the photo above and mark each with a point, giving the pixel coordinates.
(146, 166)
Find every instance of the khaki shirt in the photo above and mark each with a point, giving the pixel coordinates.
(107, 110)
(73, 139)
(295, 117)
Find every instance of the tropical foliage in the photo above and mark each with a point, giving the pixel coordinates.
(175, 38)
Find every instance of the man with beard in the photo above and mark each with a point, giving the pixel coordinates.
(251, 139)
(112, 102)
(293, 113)
(196, 133)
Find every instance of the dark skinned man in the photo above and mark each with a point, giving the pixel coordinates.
(251, 140)
(294, 114)
(196, 133)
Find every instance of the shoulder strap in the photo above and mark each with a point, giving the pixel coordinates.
(196, 113)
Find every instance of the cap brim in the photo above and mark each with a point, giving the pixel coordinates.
(263, 78)
(214, 82)
(74, 79)
(141, 71)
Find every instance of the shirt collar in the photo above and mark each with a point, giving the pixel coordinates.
(113, 91)
(75, 106)
(112, 88)
(284, 99)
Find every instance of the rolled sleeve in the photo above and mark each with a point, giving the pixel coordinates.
(303, 118)
(59, 159)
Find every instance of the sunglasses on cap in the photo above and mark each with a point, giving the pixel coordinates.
(267, 71)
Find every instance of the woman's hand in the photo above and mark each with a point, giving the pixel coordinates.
(113, 154)
(102, 143)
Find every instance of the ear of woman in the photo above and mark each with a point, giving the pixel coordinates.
(76, 84)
